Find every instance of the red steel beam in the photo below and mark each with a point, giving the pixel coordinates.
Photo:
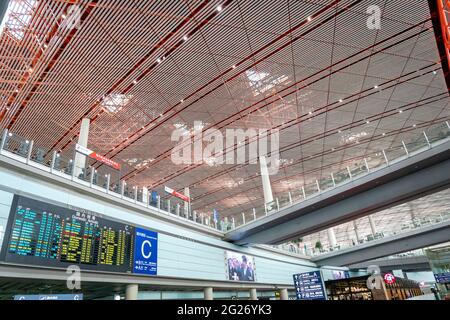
(439, 10)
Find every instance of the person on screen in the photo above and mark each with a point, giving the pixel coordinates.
(234, 269)
(252, 271)
(246, 274)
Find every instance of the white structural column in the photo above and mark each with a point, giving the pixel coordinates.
(372, 225)
(411, 212)
(267, 188)
(145, 195)
(131, 292)
(355, 226)
(208, 293)
(332, 237)
(284, 294)
(80, 160)
(186, 204)
(253, 294)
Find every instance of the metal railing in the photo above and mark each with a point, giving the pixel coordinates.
(373, 161)
(413, 224)
(24, 150)
(19, 148)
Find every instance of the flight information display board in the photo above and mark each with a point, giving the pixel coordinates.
(43, 234)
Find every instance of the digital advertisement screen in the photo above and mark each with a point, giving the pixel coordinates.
(240, 267)
(339, 274)
(44, 234)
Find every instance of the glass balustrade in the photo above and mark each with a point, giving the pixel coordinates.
(98, 178)
(372, 161)
(110, 181)
(408, 226)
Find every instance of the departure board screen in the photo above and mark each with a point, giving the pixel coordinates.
(43, 234)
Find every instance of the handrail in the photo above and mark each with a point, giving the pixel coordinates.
(374, 161)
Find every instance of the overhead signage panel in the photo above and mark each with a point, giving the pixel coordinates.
(309, 286)
(96, 156)
(145, 252)
(176, 194)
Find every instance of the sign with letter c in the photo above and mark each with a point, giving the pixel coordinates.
(145, 252)
(146, 256)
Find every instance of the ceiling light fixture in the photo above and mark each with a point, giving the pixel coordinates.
(158, 60)
(375, 87)
(400, 111)
(185, 38)
(340, 100)
(309, 18)
(219, 8)
(434, 72)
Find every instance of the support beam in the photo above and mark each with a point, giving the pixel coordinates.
(80, 160)
(407, 263)
(267, 188)
(284, 294)
(131, 292)
(373, 228)
(208, 293)
(186, 204)
(403, 242)
(332, 237)
(253, 294)
(442, 34)
(355, 227)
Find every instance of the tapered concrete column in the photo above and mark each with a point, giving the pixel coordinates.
(131, 292)
(208, 293)
(412, 212)
(355, 227)
(284, 294)
(267, 188)
(332, 237)
(373, 229)
(145, 195)
(253, 294)
(186, 204)
(80, 160)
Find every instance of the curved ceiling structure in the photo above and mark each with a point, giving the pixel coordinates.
(335, 89)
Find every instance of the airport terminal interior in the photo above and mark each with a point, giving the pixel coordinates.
(224, 150)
